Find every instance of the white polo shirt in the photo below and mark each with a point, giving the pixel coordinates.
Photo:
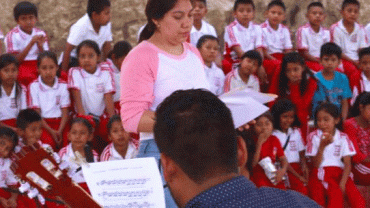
(216, 79)
(16, 41)
(234, 81)
(84, 30)
(6, 175)
(116, 76)
(334, 152)
(206, 29)
(311, 41)
(294, 146)
(247, 38)
(66, 154)
(110, 153)
(276, 40)
(10, 106)
(93, 87)
(350, 43)
(364, 85)
(367, 28)
(50, 100)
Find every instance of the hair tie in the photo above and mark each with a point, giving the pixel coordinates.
(89, 118)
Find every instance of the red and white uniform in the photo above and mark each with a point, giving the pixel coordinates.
(116, 73)
(249, 38)
(84, 30)
(216, 79)
(110, 153)
(206, 29)
(234, 81)
(330, 171)
(359, 83)
(93, 87)
(311, 41)
(10, 105)
(6, 175)
(367, 28)
(276, 40)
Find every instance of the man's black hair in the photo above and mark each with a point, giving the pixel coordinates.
(348, 2)
(238, 2)
(331, 49)
(315, 4)
(97, 6)
(254, 55)
(26, 117)
(279, 3)
(24, 7)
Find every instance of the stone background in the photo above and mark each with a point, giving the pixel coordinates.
(56, 16)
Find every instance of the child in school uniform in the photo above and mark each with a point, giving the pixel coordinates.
(122, 146)
(244, 75)
(330, 151)
(360, 81)
(367, 28)
(26, 41)
(50, 97)
(311, 36)
(94, 25)
(208, 47)
(286, 130)
(200, 26)
(12, 94)
(332, 86)
(92, 88)
(81, 133)
(349, 35)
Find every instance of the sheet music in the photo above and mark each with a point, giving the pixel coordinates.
(125, 183)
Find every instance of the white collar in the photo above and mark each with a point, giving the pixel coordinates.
(45, 87)
(341, 26)
(12, 93)
(364, 78)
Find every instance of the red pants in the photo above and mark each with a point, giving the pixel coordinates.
(294, 182)
(315, 66)
(260, 179)
(333, 196)
(10, 122)
(27, 72)
(361, 174)
(349, 68)
(101, 139)
(46, 137)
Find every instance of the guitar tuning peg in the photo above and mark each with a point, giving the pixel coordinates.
(32, 193)
(41, 199)
(24, 187)
(63, 165)
(56, 157)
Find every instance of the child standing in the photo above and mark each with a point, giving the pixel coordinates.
(12, 94)
(208, 47)
(81, 133)
(244, 75)
(92, 88)
(285, 125)
(49, 96)
(331, 151)
(96, 26)
(360, 81)
(26, 41)
(267, 145)
(122, 146)
(349, 35)
(200, 27)
(311, 36)
(333, 86)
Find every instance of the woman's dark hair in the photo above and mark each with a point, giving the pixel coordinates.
(331, 109)
(155, 9)
(10, 135)
(50, 55)
(251, 147)
(85, 122)
(88, 43)
(292, 57)
(6, 60)
(282, 106)
(362, 99)
(111, 121)
(120, 49)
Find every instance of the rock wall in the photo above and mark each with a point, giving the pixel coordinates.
(56, 16)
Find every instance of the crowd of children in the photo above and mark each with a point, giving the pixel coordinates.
(74, 108)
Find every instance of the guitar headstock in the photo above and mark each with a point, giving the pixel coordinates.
(38, 167)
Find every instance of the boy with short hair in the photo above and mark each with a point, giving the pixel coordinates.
(360, 81)
(332, 85)
(244, 75)
(349, 35)
(96, 26)
(311, 36)
(26, 41)
(200, 27)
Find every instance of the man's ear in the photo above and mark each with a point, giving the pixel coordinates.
(170, 168)
(242, 152)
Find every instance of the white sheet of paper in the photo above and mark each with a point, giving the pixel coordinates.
(246, 105)
(125, 183)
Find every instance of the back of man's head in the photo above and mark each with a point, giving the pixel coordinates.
(195, 129)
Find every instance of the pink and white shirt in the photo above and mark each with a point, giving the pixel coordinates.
(206, 29)
(66, 154)
(276, 41)
(247, 38)
(234, 81)
(350, 43)
(363, 87)
(16, 41)
(367, 28)
(149, 75)
(116, 73)
(311, 41)
(50, 100)
(110, 153)
(216, 79)
(11, 105)
(341, 146)
(7, 177)
(93, 87)
(294, 146)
